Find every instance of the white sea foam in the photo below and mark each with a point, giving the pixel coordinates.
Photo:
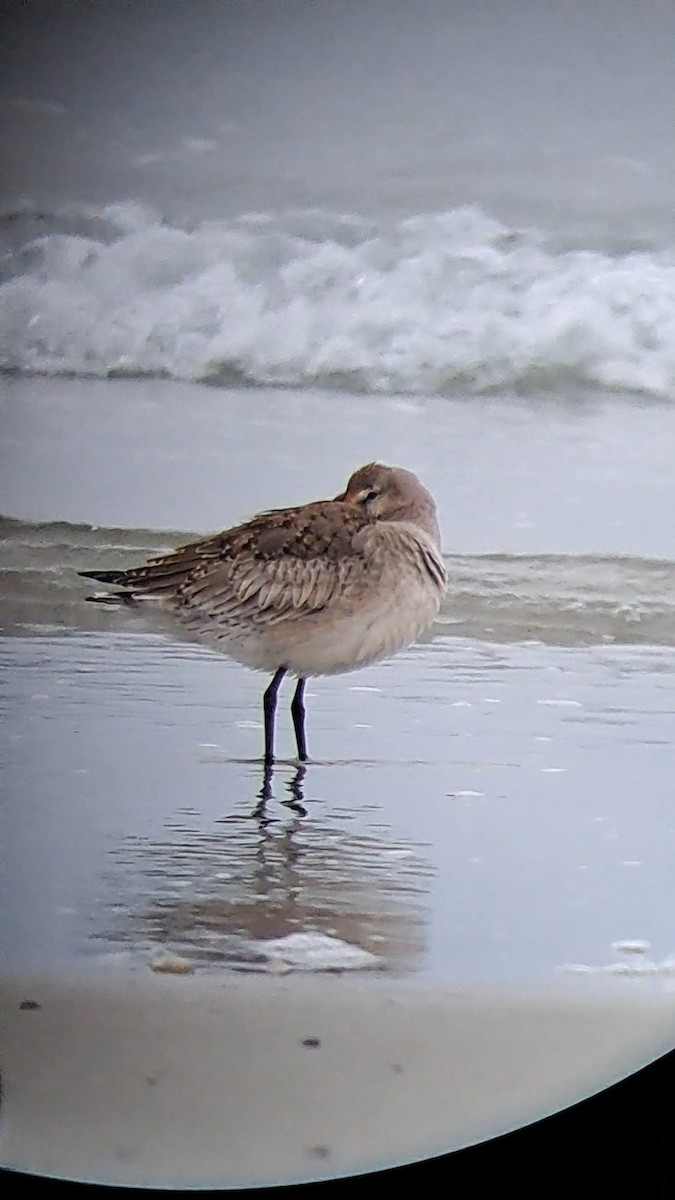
(313, 951)
(430, 304)
(644, 968)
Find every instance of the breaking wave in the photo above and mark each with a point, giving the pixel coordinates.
(433, 304)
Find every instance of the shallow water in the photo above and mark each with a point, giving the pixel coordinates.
(560, 474)
(494, 804)
(475, 812)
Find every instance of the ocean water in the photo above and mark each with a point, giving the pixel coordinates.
(247, 246)
(454, 200)
(244, 248)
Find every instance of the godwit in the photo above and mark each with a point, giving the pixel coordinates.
(314, 590)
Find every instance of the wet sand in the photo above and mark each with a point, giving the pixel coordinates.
(236, 1081)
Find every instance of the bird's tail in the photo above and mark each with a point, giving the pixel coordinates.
(114, 578)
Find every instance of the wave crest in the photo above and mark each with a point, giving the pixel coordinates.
(431, 304)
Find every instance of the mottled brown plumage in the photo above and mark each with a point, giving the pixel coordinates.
(321, 588)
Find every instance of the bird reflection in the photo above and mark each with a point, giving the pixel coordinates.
(295, 786)
(219, 899)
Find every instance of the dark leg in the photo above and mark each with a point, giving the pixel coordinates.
(298, 715)
(269, 708)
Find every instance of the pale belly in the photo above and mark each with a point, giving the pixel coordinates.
(326, 642)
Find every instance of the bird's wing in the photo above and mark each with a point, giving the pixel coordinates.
(288, 570)
(283, 565)
(289, 561)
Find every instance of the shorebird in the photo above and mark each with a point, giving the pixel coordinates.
(318, 589)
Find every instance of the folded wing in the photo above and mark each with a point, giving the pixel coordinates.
(283, 565)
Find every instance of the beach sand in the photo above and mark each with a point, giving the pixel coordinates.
(248, 1080)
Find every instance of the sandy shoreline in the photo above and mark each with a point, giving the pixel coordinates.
(237, 1080)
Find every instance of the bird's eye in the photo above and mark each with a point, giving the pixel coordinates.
(371, 495)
